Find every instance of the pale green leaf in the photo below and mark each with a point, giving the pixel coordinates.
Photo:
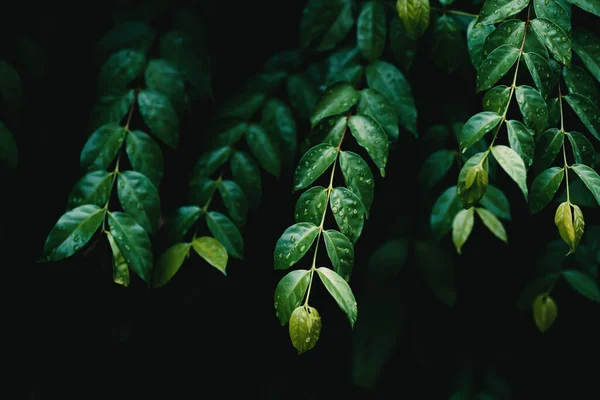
(414, 14)
(473, 179)
(212, 252)
(544, 311)
(120, 267)
(289, 294)
(305, 328)
(169, 263)
(340, 251)
(492, 223)
(462, 225)
(340, 291)
(512, 164)
(293, 244)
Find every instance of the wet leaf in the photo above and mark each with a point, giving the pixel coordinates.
(169, 263)
(358, 177)
(92, 188)
(212, 252)
(492, 223)
(289, 293)
(369, 135)
(340, 291)
(145, 156)
(102, 147)
(160, 116)
(370, 30)
(234, 200)
(294, 243)
(544, 187)
(139, 198)
(495, 66)
(348, 211)
(462, 225)
(313, 164)
(555, 39)
(305, 328)
(340, 251)
(225, 231)
(311, 205)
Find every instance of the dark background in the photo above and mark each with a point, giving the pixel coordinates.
(73, 333)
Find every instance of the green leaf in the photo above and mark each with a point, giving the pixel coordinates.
(139, 198)
(313, 164)
(476, 37)
(476, 127)
(547, 148)
(120, 267)
(389, 81)
(134, 243)
(509, 32)
(111, 109)
(494, 11)
(496, 99)
(341, 65)
(495, 201)
(590, 6)
(473, 179)
(437, 268)
(444, 209)
(169, 263)
(583, 284)
(358, 177)
(587, 112)
(583, 150)
(555, 39)
(145, 156)
(328, 130)
(495, 66)
(402, 44)
(535, 45)
(225, 231)
(370, 30)
(102, 147)
(462, 225)
(234, 200)
(336, 99)
(305, 328)
(348, 211)
(119, 70)
(228, 133)
(521, 140)
(325, 23)
(265, 149)
(414, 14)
(212, 252)
(92, 188)
(160, 116)
(8, 147)
(294, 243)
(377, 106)
(540, 71)
(585, 44)
(303, 94)
(340, 251)
(492, 223)
(589, 177)
(201, 190)
(311, 205)
(162, 76)
(129, 35)
(268, 82)
(556, 11)
(11, 91)
(72, 231)
(513, 165)
(532, 107)
(544, 187)
(447, 49)
(544, 311)
(435, 167)
(340, 291)
(286, 60)
(579, 81)
(242, 106)
(210, 162)
(278, 119)
(563, 219)
(246, 174)
(289, 294)
(387, 260)
(369, 135)
(178, 225)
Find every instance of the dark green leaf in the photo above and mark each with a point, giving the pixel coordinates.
(494, 11)
(543, 188)
(476, 127)
(589, 177)
(533, 107)
(293, 244)
(358, 177)
(286, 60)
(513, 164)
(337, 98)
(495, 201)
(341, 65)
(437, 268)
(369, 134)
(178, 225)
(8, 147)
(328, 130)
(201, 190)
(311, 205)
(492, 223)
(289, 294)
(585, 44)
(556, 11)
(495, 66)
(476, 36)
(349, 212)
(92, 188)
(509, 32)
(583, 284)
(340, 251)
(246, 173)
(590, 6)
(555, 39)
(521, 140)
(210, 162)
(169, 263)
(134, 243)
(547, 147)
(535, 45)
(145, 156)
(242, 106)
(540, 71)
(234, 200)
(444, 209)
(119, 70)
(389, 81)
(340, 291)
(578, 194)
(163, 77)
(583, 151)
(139, 198)
(212, 252)
(120, 267)
(72, 231)
(435, 167)
(313, 164)
(387, 260)
(265, 148)
(129, 35)
(579, 81)
(587, 112)
(447, 49)
(160, 116)
(376, 105)
(111, 109)
(11, 91)
(227, 133)
(414, 14)
(496, 99)
(325, 23)
(278, 119)
(303, 94)
(268, 82)
(370, 30)
(226, 233)
(402, 44)
(102, 147)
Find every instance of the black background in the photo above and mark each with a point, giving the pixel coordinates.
(73, 333)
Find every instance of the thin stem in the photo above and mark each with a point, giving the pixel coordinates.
(564, 151)
(329, 189)
(131, 110)
(464, 14)
(112, 184)
(204, 208)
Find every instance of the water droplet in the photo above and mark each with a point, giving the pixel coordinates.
(292, 239)
(140, 206)
(127, 248)
(277, 314)
(334, 209)
(302, 248)
(76, 238)
(355, 211)
(276, 305)
(75, 248)
(287, 256)
(307, 339)
(280, 255)
(341, 213)
(54, 250)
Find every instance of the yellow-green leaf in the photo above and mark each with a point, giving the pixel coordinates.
(544, 311)
(305, 328)
(169, 263)
(414, 14)
(212, 251)
(462, 227)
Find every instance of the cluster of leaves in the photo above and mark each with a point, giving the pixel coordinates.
(131, 80)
